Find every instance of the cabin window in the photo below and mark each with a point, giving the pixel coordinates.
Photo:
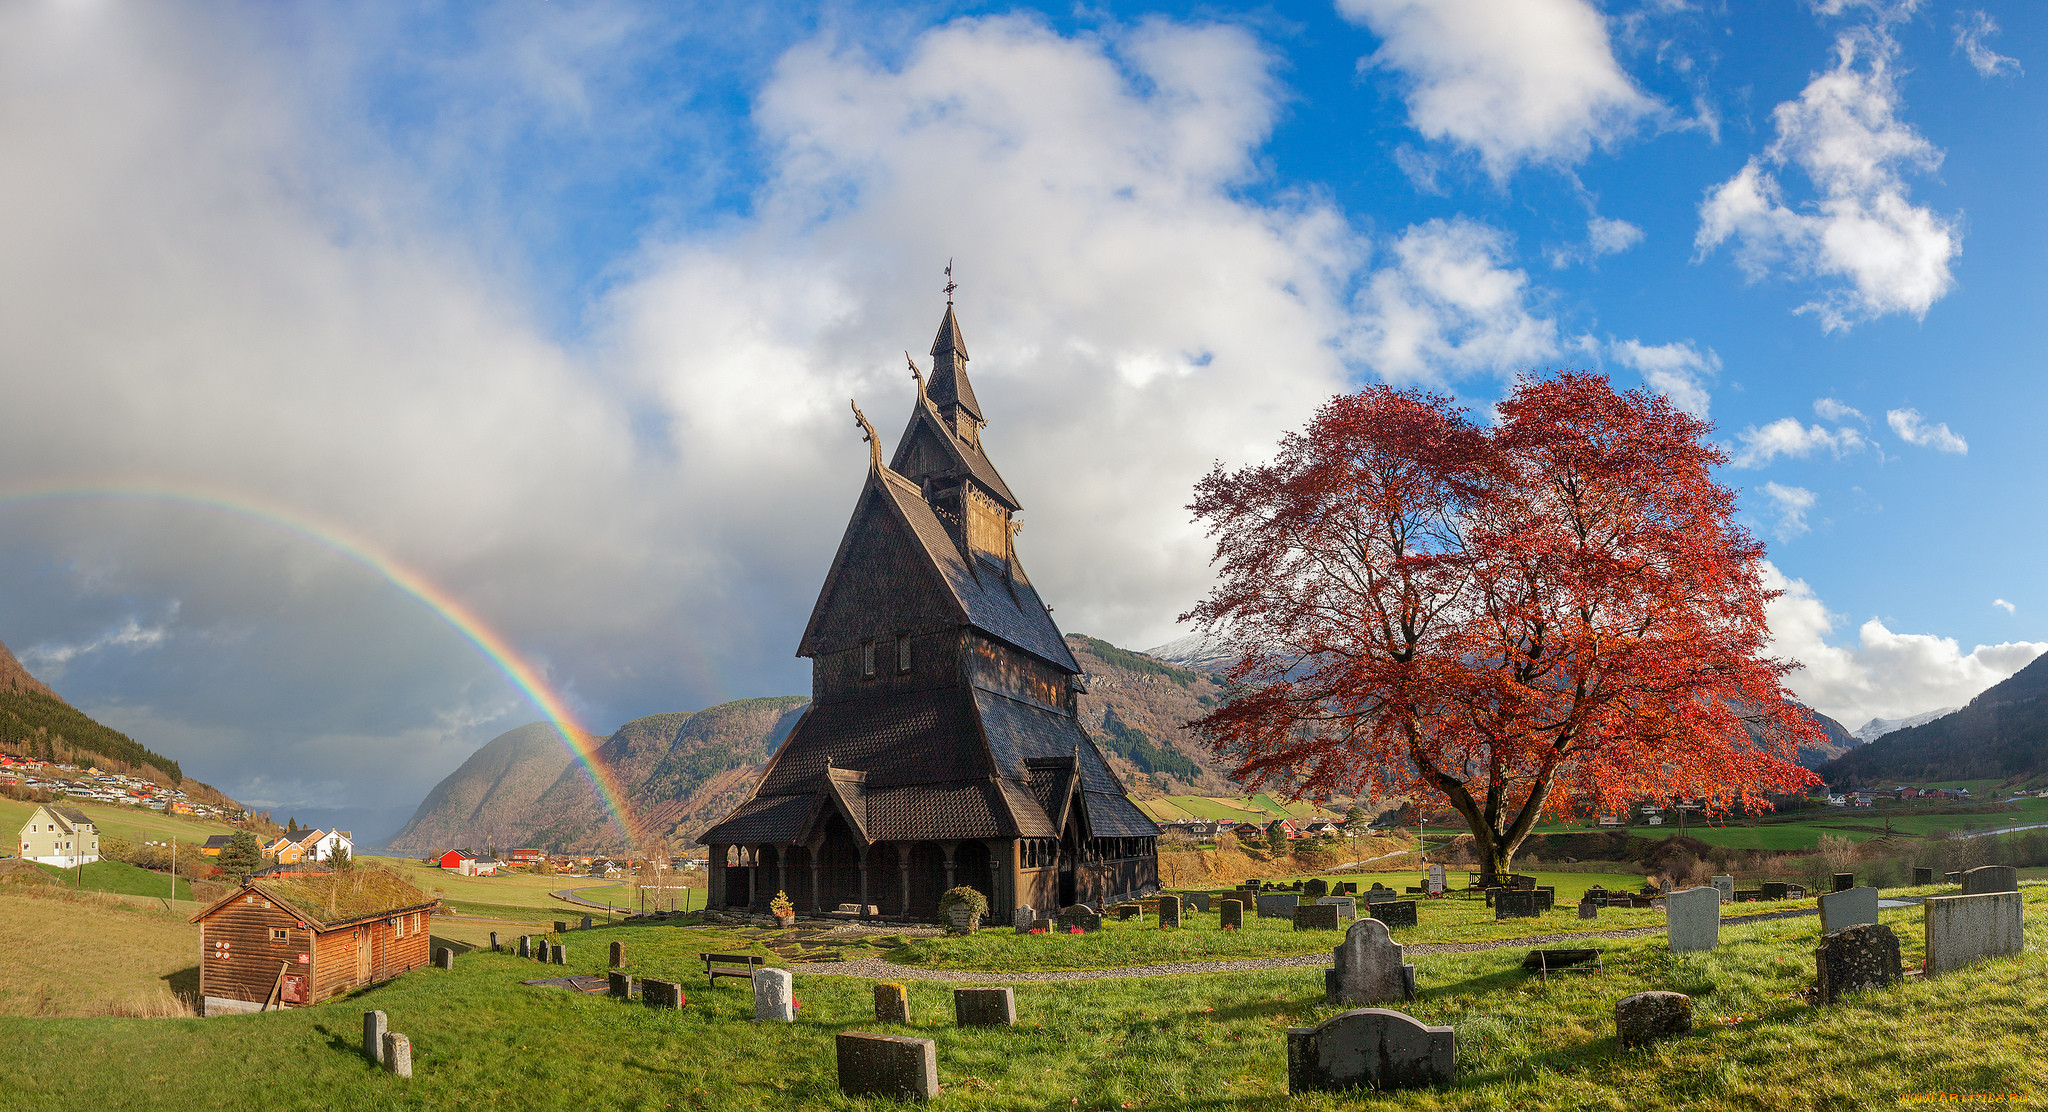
(867, 660)
(277, 934)
(398, 927)
(415, 922)
(902, 653)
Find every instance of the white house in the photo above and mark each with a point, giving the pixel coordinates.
(57, 835)
(321, 844)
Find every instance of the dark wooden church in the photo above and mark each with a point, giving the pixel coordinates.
(941, 746)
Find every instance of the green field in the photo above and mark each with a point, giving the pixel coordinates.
(132, 823)
(88, 955)
(1207, 1041)
(1261, 808)
(118, 877)
(626, 897)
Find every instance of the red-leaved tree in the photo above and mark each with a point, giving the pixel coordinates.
(1554, 615)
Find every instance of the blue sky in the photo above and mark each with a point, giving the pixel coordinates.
(559, 304)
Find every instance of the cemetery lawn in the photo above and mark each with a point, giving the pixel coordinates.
(482, 1040)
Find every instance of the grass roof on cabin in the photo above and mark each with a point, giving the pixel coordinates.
(353, 893)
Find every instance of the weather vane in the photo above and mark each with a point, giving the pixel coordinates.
(950, 284)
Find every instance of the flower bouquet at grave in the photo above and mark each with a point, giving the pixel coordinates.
(782, 909)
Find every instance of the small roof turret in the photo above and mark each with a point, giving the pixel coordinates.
(949, 386)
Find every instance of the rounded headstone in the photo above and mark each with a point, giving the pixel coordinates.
(1649, 1016)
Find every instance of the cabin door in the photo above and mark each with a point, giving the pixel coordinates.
(365, 940)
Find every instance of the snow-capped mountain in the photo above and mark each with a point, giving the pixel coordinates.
(1193, 652)
(1878, 727)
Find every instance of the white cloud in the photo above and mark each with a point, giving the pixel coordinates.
(131, 634)
(1972, 28)
(1679, 370)
(1829, 409)
(1516, 81)
(2005, 606)
(1789, 504)
(1448, 302)
(1611, 237)
(1843, 133)
(1914, 430)
(1787, 437)
(1883, 674)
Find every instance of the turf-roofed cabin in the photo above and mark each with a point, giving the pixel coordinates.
(305, 939)
(941, 747)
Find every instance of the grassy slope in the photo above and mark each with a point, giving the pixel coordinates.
(118, 877)
(483, 1040)
(92, 957)
(132, 823)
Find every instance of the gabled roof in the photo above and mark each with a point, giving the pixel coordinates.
(926, 427)
(71, 817)
(335, 899)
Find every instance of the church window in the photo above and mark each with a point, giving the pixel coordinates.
(867, 660)
(902, 653)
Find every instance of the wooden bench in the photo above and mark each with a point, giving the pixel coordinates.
(713, 964)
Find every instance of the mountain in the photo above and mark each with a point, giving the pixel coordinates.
(36, 722)
(1878, 727)
(2002, 734)
(676, 772)
(1839, 741)
(1192, 652)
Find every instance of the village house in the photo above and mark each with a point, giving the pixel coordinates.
(287, 941)
(59, 835)
(214, 845)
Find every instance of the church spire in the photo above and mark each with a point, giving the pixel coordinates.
(949, 388)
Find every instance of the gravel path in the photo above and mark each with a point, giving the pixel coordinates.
(887, 971)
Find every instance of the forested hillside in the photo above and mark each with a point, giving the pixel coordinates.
(2001, 735)
(35, 722)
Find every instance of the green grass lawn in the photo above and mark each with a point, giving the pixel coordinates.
(482, 1040)
(132, 823)
(119, 877)
(626, 897)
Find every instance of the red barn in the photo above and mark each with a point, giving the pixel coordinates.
(453, 859)
(304, 939)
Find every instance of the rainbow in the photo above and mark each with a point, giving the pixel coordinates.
(359, 550)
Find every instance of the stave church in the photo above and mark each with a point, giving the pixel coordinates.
(941, 747)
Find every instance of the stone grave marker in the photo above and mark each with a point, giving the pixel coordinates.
(1127, 912)
(1990, 878)
(444, 958)
(559, 953)
(525, 945)
(661, 994)
(1692, 919)
(397, 1054)
(1853, 908)
(1348, 888)
(617, 957)
(1922, 876)
(1347, 906)
(373, 1036)
(1855, 959)
(1316, 888)
(494, 943)
(774, 996)
(1649, 1016)
(1233, 915)
(586, 922)
(1508, 904)
(1726, 886)
(1951, 878)
(1546, 898)
(1169, 912)
(1317, 917)
(1964, 929)
(1394, 913)
(984, 1007)
(1774, 890)
(619, 985)
(1023, 918)
(1434, 884)
(887, 1066)
(1082, 916)
(1589, 909)
(1370, 1048)
(1277, 905)
(561, 927)
(1369, 969)
(1795, 891)
(892, 1004)
(1200, 900)
(1844, 881)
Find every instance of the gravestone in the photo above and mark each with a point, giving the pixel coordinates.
(1348, 888)
(1022, 918)
(1795, 891)
(1649, 1016)
(1853, 908)
(1396, 913)
(1434, 884)
(1509, 904)
(617, 956)
(1369, 969)
(1127, 912)
(1316, 888)
(1546, 899)
(1200, 900)
(984, 1007)
(1951, 878)
(774, 996)
(619, 985)
(1726, 886)
(1380, 892)
(1773, 890)
(1370, 1048)
(887, 1066)
(1964, 929)
(1844, 881)
(1588, 909)
(494, 943)
(1347, 906)
(1855, 959)
(559, 953)
(661, 994)
(1169, 912)
(892, 1004)
(373, 1036)
(1277, 905)
(561, 927)
(1692, 919)
(1233, 915)
(586, 922)
(397, 1055)
(1082, 916)
(1922, 877)
(525, 945)
(1042, 926)
(1317, 917)
(444, 958)
(1990, 878)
